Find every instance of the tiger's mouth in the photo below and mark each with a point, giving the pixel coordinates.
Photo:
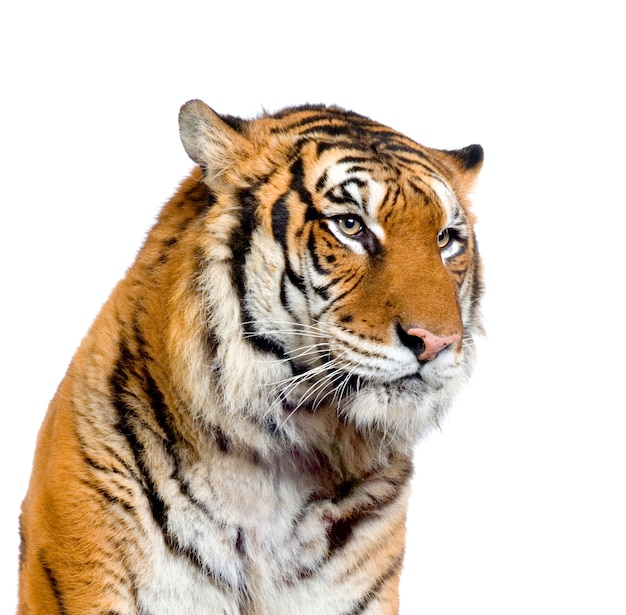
(311, 389)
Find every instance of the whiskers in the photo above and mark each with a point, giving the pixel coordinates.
(311, 388)
(316, 376)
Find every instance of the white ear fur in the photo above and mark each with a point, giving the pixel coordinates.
(208, 139)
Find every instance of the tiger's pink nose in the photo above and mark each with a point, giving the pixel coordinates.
(433, 344)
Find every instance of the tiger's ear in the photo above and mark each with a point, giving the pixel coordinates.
(210, 141)
(466, 162)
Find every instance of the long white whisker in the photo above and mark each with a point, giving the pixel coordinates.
(288, 385)
(333, 378)
(250, 334)
(310, 350)
(311, 373)
(340, 391)
(320, 375)
(286, 326)
(319, 390)
(320, 385)
(316, 390)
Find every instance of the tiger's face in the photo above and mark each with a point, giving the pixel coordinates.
(356, 265)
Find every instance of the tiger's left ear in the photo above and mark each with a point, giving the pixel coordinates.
(210, 141)
(466, 162)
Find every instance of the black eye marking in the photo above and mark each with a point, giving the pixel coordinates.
(354, 229)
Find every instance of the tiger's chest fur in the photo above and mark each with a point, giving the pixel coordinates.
(234, 434)
(271, 546)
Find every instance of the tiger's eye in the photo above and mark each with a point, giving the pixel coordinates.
(443, 239)
(349, 225)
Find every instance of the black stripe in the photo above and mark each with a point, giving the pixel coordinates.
(351, 144)
(321, 182)
(312, 245)
(294, 279)
(280, 221)
(129, 425)
(53, 582)
(126, 470)
(161, 412)
(356, 160)
(378, 586)
(107, 496)
(125, 426)
(222, 440)
(389, 202)
(298, 109)
(332, 130)
(286, 283)
(260, 341)
(272, 428)
(240, 240)
(198, 197)
(266, 344)
(317, 115)
(241, 243)
(319, 112)
(365, 507)
(211, 340)
(341, 530)
(322, 291)
(240, 542)
(409, 164)
(297, 184)
(346, 292)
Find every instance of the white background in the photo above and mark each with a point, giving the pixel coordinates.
(519, 501)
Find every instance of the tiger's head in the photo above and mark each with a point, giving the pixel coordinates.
(340, 267)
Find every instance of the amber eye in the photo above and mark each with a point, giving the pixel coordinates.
(349, 225)
(443, 239)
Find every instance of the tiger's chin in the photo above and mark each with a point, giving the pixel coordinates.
(401, 406)
(405, 410)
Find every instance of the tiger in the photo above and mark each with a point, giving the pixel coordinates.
(235, 433)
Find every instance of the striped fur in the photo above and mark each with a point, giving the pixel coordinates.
(234, 434)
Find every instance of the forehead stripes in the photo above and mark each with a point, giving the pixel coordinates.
(369, 144)
(352, 131)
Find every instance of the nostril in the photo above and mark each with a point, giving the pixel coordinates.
(423, 343)
(414, 342)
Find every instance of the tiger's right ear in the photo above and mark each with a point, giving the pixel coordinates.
(208, 139)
